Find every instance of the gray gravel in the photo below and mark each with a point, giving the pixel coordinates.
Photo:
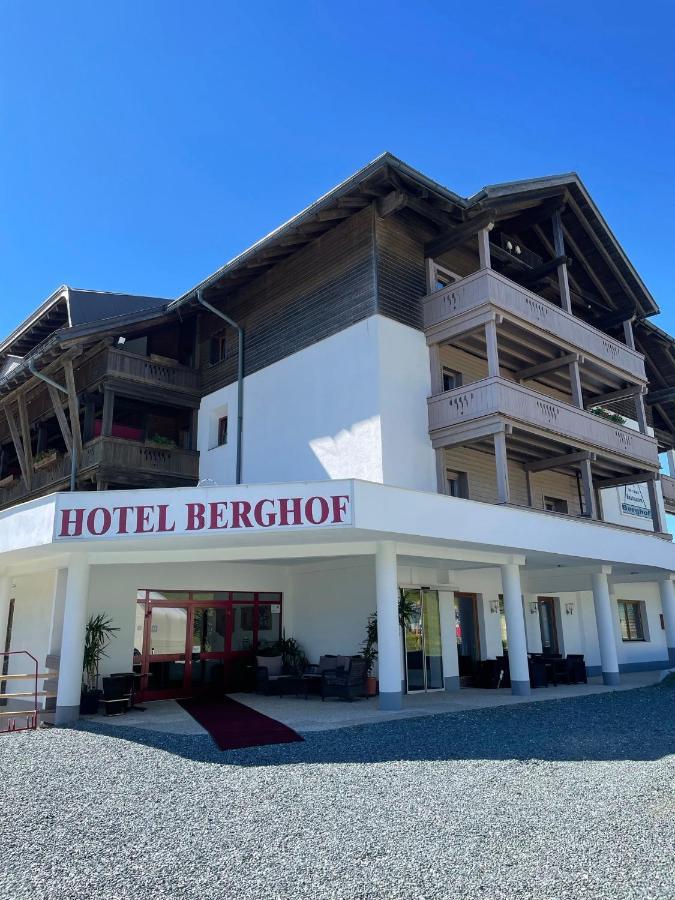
(559, 800)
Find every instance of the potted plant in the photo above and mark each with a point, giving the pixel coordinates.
(97, 637)
(159, 440)
(44, 458)
(369, 653)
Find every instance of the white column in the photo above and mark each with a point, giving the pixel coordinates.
(389, 660)
(667, 590)
(604, 617)
(515, 629)
(72, 641)
(446, 602)
(5, 596)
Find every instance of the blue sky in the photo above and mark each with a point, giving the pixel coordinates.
(144, 144)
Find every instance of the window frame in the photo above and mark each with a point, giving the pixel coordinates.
(561, 500)
(450, 373)
(219, 341)
(640, 636)
(219, 431)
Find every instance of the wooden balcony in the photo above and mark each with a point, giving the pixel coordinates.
(112, 460)
(467, 303)
(468, 413)
(668, 489)
(143, 371)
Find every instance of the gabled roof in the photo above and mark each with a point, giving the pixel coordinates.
(69, 307)
(623, 291)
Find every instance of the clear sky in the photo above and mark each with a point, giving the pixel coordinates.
(143, 144)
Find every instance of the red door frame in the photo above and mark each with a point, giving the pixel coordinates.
(145, 691)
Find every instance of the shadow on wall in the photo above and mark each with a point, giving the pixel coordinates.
(352, 453)
(623, 725)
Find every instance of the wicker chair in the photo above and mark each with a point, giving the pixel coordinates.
(345, 682)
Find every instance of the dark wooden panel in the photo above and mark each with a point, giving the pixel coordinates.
(322, 289)
(400, 270)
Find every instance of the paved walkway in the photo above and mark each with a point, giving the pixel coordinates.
(312, 715)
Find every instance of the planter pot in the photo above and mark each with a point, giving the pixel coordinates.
(371, 686)
(45, 461)
(89, 701)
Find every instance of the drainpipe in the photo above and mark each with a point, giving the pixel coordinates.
(73, 452)
(240, 375)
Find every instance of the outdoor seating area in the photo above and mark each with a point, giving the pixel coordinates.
(343, 677)
(545, 669)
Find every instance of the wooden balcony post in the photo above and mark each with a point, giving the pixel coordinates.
(492, 349)
(441, 480)
(590, 505)
(657, 514)
(484, 248)
(559, 247)
(670, 455)
(502, 464)
(628, 333)
(575, 381)
(435, 368)
(108, 410)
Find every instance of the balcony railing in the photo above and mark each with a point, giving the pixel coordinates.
(489, 288)
(668, 489)
(141, 369)
(497, 397)
(143, 461)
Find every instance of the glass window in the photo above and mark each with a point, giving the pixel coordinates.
(630, 617)
(242, 627)
(208, 630)
(243, 595)
(555, 504)
(451, 379)
(269, 623)
(502, 624)
(222, 431)
(218, 348)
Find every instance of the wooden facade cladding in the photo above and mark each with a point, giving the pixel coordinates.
(401, 278)
(487, 406)
(315, 293)
(472, 300)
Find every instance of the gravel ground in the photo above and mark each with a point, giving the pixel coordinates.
(568, 799)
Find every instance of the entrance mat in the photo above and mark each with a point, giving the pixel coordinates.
(233, 725)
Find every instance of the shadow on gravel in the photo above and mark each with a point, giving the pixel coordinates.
(626, 725)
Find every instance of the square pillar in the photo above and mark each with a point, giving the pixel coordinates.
(502, 464)
(515, 630)
(667, 591)
(604, 617)
(446, 601)
(655, 501)
(484, 248)
(5, 597)
(389, 654)
(72, 641)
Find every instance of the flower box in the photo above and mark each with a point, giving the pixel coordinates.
(45, 460)
(6, 481)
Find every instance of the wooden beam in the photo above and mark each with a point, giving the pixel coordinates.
(639, 478)
(18, 447)
(25, 433)
(550, 366)
(602, 250)
(613, 396)
(663, 395)
(540, 272)
(57, 403)
(460, 233)
(73, 407)
(392, 203)
(559, 462)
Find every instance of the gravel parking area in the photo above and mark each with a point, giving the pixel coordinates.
(568, 799)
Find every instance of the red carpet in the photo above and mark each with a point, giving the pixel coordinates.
(233, 725)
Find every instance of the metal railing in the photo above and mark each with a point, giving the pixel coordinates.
(8, 718)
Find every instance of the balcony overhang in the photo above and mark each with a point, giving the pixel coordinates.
(536, 426)
(531, 330)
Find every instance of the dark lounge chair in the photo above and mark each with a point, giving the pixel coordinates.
(345, 682)
(117, 693)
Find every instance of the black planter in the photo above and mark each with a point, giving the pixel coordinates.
(89, 701)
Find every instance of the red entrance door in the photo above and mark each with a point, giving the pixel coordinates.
(192, 642)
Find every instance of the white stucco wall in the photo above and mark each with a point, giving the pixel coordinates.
(31, 625)
(353, 405)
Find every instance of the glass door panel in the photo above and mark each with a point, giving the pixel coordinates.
(269, 623)
(433, 659)
(166, 667)
(414, 642)
(209, 635)
(547, 627)
(466, 625)
(242, 638)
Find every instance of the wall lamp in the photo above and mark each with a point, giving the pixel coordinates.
(569, 608)
(494, 607)
(534, 607)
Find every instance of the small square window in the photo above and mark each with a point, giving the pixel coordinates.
(222, 431)
(458, 484)
(218, 348)
(451, 379)
(555, 504)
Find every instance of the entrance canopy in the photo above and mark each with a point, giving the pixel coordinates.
(309, 520)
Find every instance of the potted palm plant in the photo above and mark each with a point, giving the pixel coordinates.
(97, 637)
(406, 611)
